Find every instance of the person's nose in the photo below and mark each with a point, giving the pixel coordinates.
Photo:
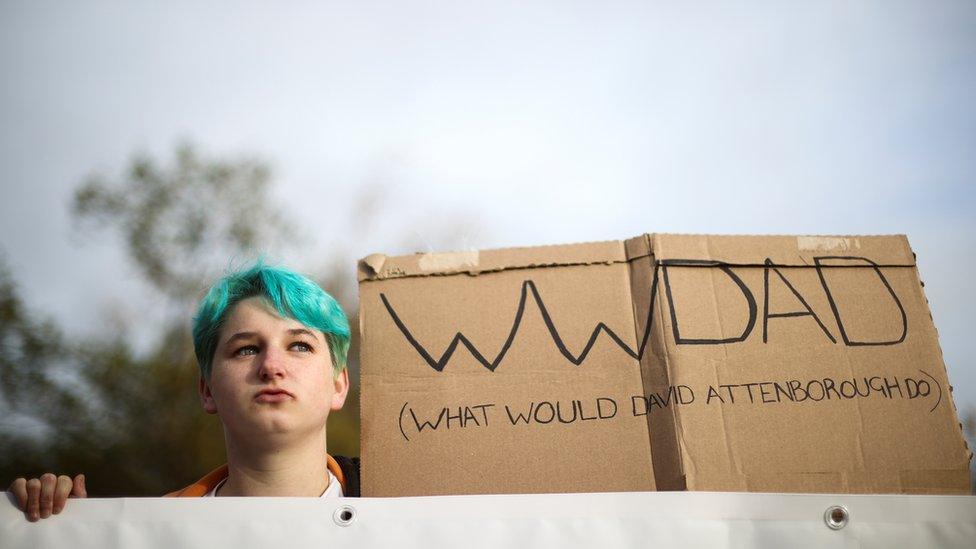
(272, 365)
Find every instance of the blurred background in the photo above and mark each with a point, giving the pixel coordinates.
(145, 148)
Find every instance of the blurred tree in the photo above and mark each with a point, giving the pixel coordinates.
(131, 424)
(181, 225)
(30, 352)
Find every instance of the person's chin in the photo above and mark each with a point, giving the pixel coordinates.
(265, 421)
(281, 425)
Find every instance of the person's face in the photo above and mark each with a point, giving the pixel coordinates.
(272, 377)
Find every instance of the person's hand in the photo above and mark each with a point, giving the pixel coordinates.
(40, 497)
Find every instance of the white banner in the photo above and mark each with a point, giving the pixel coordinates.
(657, 519)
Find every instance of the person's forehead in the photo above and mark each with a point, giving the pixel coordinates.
(255, 314)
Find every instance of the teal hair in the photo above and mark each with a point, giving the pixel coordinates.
(292, 296)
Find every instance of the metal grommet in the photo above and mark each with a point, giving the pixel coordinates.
(344, 516)
(836, 517)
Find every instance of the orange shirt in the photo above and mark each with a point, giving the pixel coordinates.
(211, 479)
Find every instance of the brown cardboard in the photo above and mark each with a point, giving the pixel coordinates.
(763, 363)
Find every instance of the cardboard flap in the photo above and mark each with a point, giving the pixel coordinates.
(795, 251)
(474, 262)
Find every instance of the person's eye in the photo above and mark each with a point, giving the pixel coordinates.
(246, 350)
(301, 346)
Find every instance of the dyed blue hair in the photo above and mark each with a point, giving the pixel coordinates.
(292, 296)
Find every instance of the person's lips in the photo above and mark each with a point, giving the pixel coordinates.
(273, 395)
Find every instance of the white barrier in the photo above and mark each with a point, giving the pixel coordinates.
(658, 519)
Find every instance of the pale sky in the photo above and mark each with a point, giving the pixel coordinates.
(525, 122)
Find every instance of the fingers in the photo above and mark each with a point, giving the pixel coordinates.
(78, 489)
(33, 499)
(41, 497)
(48, 483)
(19, 490)
(62, 488)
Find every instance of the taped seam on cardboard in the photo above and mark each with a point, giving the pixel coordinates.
(494, 260)
(391, 274)
(827, 243)
(779, 250)
(448, 261)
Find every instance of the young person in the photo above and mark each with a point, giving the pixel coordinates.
(271, 346)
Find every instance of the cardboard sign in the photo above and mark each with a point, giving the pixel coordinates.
(668, 362)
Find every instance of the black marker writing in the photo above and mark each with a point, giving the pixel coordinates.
(664, 267)
(546, 412)
(641, 405)
(458, 417)
(528, 287)
(820, 264)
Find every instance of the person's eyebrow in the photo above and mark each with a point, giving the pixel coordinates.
(240, 335)
(300, 331)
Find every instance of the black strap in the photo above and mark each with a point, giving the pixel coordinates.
(350, 470)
